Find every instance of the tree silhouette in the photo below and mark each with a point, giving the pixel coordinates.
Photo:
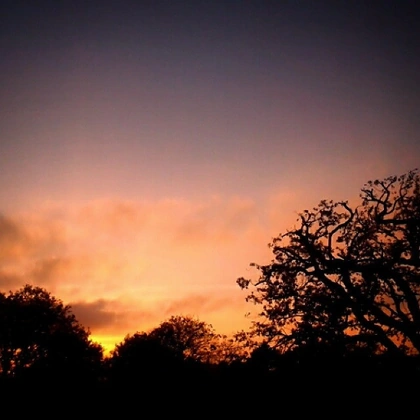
(190, 338)
(140, 350)
(141, 360)
(180, 347)
(346, 278)
(177, 343)
(40, 338)
(197, 341)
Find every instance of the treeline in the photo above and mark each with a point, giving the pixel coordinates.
(42, 344)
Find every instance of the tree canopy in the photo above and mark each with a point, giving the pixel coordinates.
(197, 340)
(347, 277)
(40, 335)
(182, 338)
(191, 338)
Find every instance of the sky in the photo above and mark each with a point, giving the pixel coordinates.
(150, 150)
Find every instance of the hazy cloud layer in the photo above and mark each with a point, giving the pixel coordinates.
(111, 317)
(128, 265)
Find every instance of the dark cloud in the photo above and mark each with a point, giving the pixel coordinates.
(13, 238)
(48, 270)
(44, 272)
(109, 316)
(9, 230)
(96, 315)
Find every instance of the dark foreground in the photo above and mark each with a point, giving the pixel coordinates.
(328, 389)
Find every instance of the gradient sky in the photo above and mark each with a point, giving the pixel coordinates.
(149, 150)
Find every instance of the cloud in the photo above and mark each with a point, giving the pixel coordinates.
(216, 221)
(49, 270)
(9, 230)
(110, 316)
(9, 281)
(96, 315)
(129, 265)
(112, 248)
(117, 216)
(196, 304)
(13, 239)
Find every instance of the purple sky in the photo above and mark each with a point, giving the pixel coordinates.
(203, 126)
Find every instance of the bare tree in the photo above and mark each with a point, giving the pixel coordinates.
(346, 278)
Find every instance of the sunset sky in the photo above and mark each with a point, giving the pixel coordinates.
(150, 150)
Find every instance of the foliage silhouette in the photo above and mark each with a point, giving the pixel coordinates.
(41, 340)
(181, 349)
(142, 358)
(346, 279)
(188, 337)
(197, 341)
